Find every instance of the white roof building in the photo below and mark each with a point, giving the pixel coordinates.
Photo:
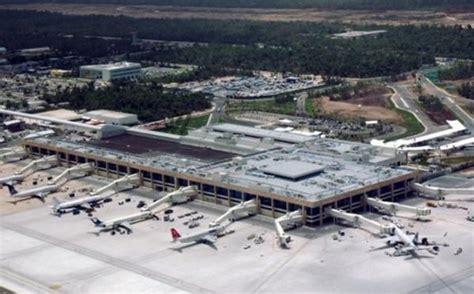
(113, 71)
(456, 127)
(112, 117)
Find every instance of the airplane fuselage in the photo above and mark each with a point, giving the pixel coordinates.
(11, 179)
(405, 239)
(132, 218)
(200, 236)
(36, 191)
(76, 203)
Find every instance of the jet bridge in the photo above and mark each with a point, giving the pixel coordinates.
(181, 195)
(34, 166)
(290, 220)
(393, 207)
(77, 171)
(125, 183)
(240, 210)
(359, 220)
(12, 154)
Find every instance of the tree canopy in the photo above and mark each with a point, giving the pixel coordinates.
(148, 101)
(300, 47)
(326, 4)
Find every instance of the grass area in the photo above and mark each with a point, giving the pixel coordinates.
(309, 107)
(272, 106)
(410, 123)
(182, 126)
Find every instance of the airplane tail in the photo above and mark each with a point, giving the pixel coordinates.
(175, 235)
(11, 189)
(55, 206)
(97, 222)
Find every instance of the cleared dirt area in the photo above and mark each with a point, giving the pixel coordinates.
(353, 111)
(365, 101)
(315, 15)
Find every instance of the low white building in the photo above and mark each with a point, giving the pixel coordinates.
(112, 117)
(113, 71)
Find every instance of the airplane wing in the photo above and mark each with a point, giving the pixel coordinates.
(40, 196)
(210, 238)
(392, 240)
(86, 207)
(9, 183)
(126, 226)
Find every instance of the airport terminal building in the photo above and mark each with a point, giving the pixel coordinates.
(229, 164)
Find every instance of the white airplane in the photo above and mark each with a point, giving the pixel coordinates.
(406, 244)
(32, 167)
(207, 236)
(39, 192)
(11, 180)
(79, 170)
(63, 207)
(124, 222)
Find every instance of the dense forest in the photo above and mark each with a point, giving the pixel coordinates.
(327, 4)
(298, 47)
(466, 90)
(148, 101)
(233, 32)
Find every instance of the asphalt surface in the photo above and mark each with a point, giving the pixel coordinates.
(78, 261)
(300, 104)
(219, 110)
(406, 100)
(448, 101)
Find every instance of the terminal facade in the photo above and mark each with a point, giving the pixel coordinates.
(281, 179)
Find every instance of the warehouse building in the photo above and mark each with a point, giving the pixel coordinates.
(284, 173)
(112, 117)
(113, 71)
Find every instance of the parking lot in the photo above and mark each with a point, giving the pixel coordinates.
(42, 253)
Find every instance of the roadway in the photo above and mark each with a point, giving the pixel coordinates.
(406, 100)
(218, 111)
(448, 101)
(300, 104)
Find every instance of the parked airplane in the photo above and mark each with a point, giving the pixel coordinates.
(32, 167)
(11, 180)
(76, 171)
(39, 192)
(207, 236)
(406, 244)
(124, 222)
(85, 203)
